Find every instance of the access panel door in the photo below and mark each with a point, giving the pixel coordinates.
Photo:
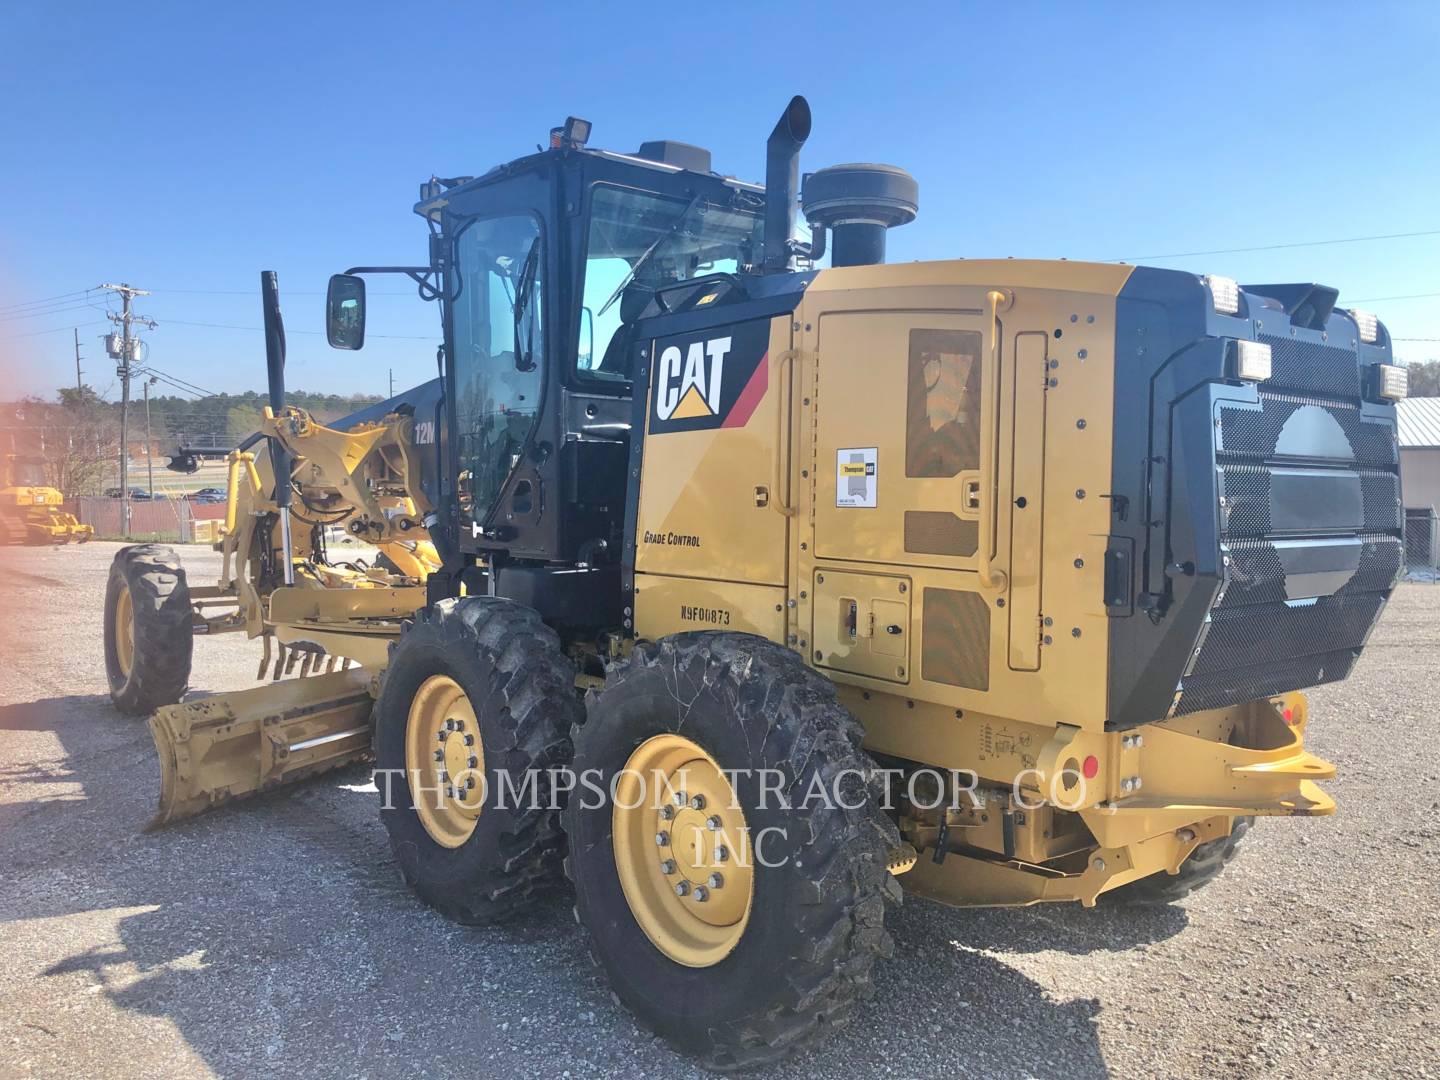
(898, 413)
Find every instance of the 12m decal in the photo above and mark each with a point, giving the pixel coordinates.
(710, 378)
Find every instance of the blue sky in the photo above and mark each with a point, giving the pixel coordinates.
(185, 147)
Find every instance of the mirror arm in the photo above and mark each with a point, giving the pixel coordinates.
(426, 277)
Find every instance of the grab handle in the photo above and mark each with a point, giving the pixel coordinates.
(781, 502)
(990, 576)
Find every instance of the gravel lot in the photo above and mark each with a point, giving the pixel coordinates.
(275, 937)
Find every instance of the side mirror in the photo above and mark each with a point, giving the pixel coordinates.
(345, 312)
(586, 358)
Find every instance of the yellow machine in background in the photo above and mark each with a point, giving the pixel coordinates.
(31, 511)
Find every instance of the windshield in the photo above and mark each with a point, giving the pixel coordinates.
(28, 474)
(498, 350)
(640, 241)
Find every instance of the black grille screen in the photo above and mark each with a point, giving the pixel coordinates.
(1247, 432)
(1223, 688)
(1310, 518)
(1312, 366)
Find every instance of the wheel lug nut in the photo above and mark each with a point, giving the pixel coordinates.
(473, 762)
(697, 803)
(717, 881)
(667, 866)
(680, 798)
(439, 755)
(469, 782)
(721, 853)
(701, 894)
(666, 813)
(713, 823)
(662, 839)
(469, 740)
(440, 736)
(682, 888)
(449, 792)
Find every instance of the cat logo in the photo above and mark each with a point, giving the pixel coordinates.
(688, 386)
(709, 378)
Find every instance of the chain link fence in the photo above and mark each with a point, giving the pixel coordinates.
(1422, 544)
(171, 520)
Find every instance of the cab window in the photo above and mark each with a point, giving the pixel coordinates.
(638, 242)
(497, 322)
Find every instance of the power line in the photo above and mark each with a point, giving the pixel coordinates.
(51, 330)
(178, 380)
(1279, 247)
(258, 330)
(1379, 299)
(288, 292)
(46, 300)
(64, 309)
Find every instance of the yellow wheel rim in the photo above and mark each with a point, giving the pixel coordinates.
(125, 631)
(445, 761)
(682, 851)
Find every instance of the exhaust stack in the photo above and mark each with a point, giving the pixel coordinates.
(782, 180)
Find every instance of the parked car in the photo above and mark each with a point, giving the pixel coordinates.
(136, 494)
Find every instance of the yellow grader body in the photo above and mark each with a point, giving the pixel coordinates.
(1021, 565)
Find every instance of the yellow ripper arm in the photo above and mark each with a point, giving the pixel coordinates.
(232, 745)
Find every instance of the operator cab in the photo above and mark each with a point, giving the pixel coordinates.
(542, 267)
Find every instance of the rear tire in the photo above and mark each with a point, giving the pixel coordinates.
(520, 690)
(1202, 867)
(814, 924)
(149, 643)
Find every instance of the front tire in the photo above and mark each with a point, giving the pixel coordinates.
(477, 690)
(790, 959)
(149, 643)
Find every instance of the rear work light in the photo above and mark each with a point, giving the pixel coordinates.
(1252, 360)
(1393, 381)
(1368, 325)
(1224, 294)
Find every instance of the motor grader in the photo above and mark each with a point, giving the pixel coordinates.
(31, 511)
(780, 591)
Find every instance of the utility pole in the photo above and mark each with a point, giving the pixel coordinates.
(126, 355)
(79, 382)
(392, 380)
(149, 458)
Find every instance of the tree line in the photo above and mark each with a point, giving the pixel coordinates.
(78, 436)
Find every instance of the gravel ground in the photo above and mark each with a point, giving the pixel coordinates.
(275, 937)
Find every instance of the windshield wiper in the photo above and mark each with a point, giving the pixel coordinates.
(524, 360)
(645, 256)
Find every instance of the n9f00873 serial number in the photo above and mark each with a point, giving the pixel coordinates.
(710, 615)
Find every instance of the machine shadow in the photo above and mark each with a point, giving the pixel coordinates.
(944, 989)
(179, 955)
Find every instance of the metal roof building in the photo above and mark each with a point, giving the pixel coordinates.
(1419, 423)
(1419, 436)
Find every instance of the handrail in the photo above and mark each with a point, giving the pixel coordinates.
(783, 362)
(990, 577)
